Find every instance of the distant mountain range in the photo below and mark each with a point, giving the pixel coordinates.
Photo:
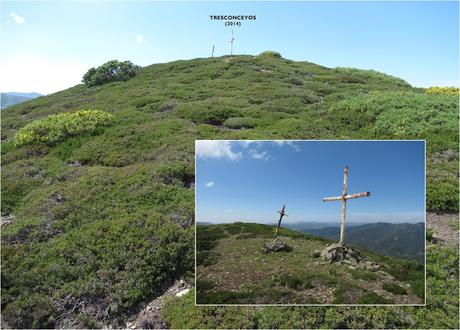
(305, 226)
(203, 223)
(403, 240)
(12, 98)
(299, 226)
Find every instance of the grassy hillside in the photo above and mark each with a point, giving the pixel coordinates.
(102, 220)
(233, 269)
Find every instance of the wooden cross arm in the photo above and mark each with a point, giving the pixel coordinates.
(351, 196)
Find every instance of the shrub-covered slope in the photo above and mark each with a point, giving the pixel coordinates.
(101, 221)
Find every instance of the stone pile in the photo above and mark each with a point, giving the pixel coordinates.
(338, 252)
(276, 245)
(347, 255)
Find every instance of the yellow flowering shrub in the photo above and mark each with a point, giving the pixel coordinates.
(443, 90)
(54, 128)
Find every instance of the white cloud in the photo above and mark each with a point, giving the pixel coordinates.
(247, 143)
(216, 149)
(223, 149)
(229, 210)
(264, 155)
(29, 73)
(291, 144)
(294, 146)
(209, 184)
(139, 39)
(18, 19)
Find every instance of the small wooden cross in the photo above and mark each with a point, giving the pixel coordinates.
(344, 199)
(282, 214)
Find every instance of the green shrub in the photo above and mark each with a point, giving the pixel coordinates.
(342, 293)
(240, 122)
(394, 288)
(400, 114)
(109, 265)
(410, 115)
(295, 81)
(206, 240)
(429, 235)
(181, 313)
(352, 75)
(442, 182)
(294, 282)
(177, 173)
(22, 176)
(454, 224)
(270, 53)
(54, 128)
(417, 115)
(443, 90)
(33, 311)
(363, 274)
(409, 271)
(290, 105)
(373, 298)
(442, 196)
(143, 101)
(109, 72)
(213, 112)
(204, 285)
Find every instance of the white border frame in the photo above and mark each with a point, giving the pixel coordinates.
(319, 305)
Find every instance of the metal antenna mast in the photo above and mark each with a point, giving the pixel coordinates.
(231, 44)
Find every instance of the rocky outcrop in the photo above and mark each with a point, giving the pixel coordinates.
(149, 317)
(338, 252)
(443, 226)
(347, 255)
(7, 219)
(276, 245)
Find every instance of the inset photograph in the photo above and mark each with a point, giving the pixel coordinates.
(303, 222)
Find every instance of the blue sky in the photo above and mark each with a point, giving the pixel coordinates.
(48, 46)
(250, 181)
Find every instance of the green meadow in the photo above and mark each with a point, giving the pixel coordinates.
(232, 268)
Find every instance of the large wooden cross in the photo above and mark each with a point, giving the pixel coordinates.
(282, 214)
(344, 199)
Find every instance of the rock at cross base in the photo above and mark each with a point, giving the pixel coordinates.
(341, 252)
(347, 255)
(276, 245)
